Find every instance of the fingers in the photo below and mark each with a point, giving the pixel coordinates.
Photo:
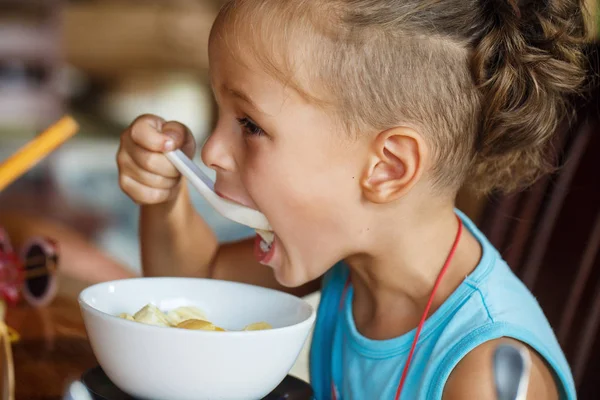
(153, 133)
(145, 174)
(146, 133)
(149, 170)
(150, 161)
(143, 194)
(180, 136)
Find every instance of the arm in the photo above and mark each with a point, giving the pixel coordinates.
(175, 240)
(473, 377)
(73, 248)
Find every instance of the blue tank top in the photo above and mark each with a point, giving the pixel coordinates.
(489, 304)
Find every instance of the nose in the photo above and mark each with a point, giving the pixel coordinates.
(218, 151)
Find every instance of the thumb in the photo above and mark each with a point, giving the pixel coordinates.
(180, 138)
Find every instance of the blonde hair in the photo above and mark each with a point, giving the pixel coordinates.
(485, 80)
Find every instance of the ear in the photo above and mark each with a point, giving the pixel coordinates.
(396, 163)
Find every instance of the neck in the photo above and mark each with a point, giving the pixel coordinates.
(394, 279)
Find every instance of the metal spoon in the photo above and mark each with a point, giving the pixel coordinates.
(512, 366)
(233, 211)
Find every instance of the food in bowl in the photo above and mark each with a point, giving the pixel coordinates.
(186, 317)
(258, 326)
(199, 325)
(154, 362)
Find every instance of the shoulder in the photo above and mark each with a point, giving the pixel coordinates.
(473, 376)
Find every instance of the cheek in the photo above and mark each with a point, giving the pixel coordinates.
(305, 200)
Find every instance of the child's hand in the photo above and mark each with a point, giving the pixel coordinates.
(145, 174)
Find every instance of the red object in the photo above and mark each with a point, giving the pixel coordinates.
(11, 277)
(30, 274)
(334, 391)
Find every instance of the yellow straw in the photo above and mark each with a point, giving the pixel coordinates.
(30, 154)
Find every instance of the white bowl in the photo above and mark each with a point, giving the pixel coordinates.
(153, 362)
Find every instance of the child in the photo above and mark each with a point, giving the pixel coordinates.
(351, 124)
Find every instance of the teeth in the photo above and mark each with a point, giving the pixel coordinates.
(267, 240)
(264, 246)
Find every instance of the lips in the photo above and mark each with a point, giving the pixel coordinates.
(262, 256)
(262, 253)
(220, 194)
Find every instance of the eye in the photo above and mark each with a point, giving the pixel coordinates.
(249, 127)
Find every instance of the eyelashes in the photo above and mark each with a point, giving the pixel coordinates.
(249, 127)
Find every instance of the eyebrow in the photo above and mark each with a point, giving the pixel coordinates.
(240, 94)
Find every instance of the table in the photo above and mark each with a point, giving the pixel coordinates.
(53, 349)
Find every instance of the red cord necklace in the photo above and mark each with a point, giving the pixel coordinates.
(334, 390)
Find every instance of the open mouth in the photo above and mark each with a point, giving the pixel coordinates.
(264, 246)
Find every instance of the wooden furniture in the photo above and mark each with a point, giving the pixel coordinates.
(53, 349)
(550, 236)
(114, 38)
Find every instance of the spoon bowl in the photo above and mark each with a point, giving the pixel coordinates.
(512, 367)
(203, 184)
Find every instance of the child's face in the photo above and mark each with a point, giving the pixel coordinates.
(290, 160)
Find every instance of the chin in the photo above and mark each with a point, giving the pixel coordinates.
(290, 277)
(289, 281)
(293, 276)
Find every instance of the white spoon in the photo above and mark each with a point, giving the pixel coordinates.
(233, 211)
(512, 367)
(77, 391)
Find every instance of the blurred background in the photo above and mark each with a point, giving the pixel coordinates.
(107, 61)
(104, 62)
